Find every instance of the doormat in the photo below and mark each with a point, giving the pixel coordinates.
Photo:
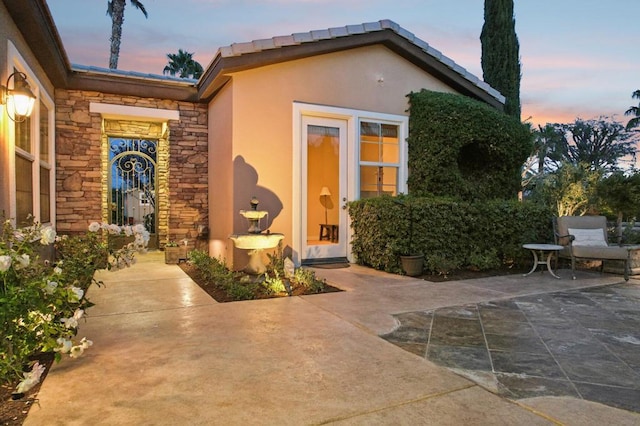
(330, 265)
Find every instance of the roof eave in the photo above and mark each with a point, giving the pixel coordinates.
(39, 31)
(126, 85)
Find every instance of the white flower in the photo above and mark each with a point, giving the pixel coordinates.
(86, 343)
(50, 287)
(57, 270)
(65, 345)
(128, 231)
(113, 229)
(47, 235)
(76, 294)
(5, 263)
(139, 228)
(94, 227)
(76, 351)
(73, 321)
(23, 261)
(31, 378)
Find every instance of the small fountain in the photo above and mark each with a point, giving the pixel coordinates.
(255, 241)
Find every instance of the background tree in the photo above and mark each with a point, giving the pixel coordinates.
(619, 195)
(569, 190)
(600, 144)
(549, 145)
(500, 53)
(635, 111)
(115, 10)
(183, 64)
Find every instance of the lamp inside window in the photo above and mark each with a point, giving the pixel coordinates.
(18, 97)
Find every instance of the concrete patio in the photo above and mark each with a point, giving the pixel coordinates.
(166, 353)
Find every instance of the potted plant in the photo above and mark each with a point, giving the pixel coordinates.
(412, 261)
(171, 253)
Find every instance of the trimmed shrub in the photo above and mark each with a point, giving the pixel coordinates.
(451, 234)
(462, 148)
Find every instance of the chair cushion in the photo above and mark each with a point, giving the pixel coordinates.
(588, 237)
(594, 252)
(578, 222)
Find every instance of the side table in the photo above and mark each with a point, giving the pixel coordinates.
(546, 253)
(329, 232)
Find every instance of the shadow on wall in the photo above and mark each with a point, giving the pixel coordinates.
(245, 179)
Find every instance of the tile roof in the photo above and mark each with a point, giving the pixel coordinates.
(239, 49)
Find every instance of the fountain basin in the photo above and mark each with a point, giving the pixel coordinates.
(256, 241)
(254, 214)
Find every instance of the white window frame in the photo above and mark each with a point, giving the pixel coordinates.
(400, 165)
(16, 61)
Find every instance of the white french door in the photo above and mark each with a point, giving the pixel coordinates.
(324, 188)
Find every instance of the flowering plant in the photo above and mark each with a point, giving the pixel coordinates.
(41, 302)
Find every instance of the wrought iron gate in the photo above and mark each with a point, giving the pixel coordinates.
(132, 183)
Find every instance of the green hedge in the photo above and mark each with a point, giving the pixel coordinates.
(451, 234)
(462, 148)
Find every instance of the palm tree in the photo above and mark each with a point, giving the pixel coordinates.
(183, 64)
(635, 111)
(115, 10)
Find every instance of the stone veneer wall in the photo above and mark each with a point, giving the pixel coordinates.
(80, 186)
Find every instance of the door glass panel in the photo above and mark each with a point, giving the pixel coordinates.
(323, 178)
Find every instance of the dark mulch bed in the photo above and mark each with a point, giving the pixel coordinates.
(13, 412)
(219, 295)
(469, 274)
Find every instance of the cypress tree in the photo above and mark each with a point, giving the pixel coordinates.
(501, 53)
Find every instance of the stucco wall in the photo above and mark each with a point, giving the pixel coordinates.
(221, 176)
(370, 78)
(78, 152)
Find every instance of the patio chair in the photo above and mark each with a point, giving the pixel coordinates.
(585, 238)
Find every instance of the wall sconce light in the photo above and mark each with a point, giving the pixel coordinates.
(20, 99)
(324, 192)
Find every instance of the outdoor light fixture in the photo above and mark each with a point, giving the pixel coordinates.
(20, 99)
(324, 192)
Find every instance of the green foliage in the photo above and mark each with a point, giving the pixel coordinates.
(41, 303)
(274, 284)
(570, 190)
(183, 64)
(462, 148)
(239, 286)
(630, 235)
(308, 280)
(451, 233)
(501, 53)
(215, 271)
(633, 111)
(619, 195)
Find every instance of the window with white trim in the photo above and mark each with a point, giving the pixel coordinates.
(33, 156)
(380, 158)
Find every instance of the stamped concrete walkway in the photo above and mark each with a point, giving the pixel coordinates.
(166, 353)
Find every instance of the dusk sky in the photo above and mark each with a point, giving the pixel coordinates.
(580, 58)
